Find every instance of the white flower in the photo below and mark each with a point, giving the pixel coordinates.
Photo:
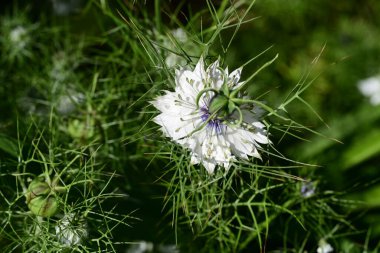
(68, 102)
(18, 37)
(71, 229)
(172, 45)
(66, 7)
(205, 121)
(171, 248)
(173, 59)
(307, 189)
(180, 35)
(324, 247)
(370, 88)
(61, 69)
(141, 247)
(145, 247)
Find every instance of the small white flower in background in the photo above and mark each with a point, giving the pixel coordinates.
(17, 36)
(71, 230)
(171, 248)
(173, 59)
(324, 247)
(206, 114)
(173, 45)
(19, 39)
(66, 7)
(307, 189)
(61, 69)
(370, 88)
(141, 247)
(67, 103)
(145, 247)
(180, 35)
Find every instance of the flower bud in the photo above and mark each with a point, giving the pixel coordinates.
(219, 105)
(37, 188)
(40, 198)
(44, 206)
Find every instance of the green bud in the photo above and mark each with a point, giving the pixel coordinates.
(39, 198)
(81, 129)
(37, 188)
(218, 104)
(231, 107)
(44, 206)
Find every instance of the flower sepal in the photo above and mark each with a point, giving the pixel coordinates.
(41, 197)
(219, 105)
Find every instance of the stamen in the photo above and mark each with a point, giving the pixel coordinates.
(214, 123)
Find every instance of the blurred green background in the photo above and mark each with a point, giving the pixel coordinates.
(333, 44)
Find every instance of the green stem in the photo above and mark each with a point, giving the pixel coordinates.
(201, 93)
(240, 116)
(262, 105)
(222, 8)
(235, 92)
(157, 14)
(262, 225)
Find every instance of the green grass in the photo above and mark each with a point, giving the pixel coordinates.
(75, 111)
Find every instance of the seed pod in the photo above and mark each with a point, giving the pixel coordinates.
(40, 198)
(37, 188)
(44, 206)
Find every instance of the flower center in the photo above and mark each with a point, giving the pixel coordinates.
(219, 105)
(214, 122)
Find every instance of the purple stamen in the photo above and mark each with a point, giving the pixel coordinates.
(212, 123)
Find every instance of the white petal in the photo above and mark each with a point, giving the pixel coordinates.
(234, 77)
(187, 81)
(216, 150)
(200, 69)
(175, 127)
(243, 142)
(258, 125)
(214, 75)
(251, 117)
(170, 103)
(260, 138)
(194, 159)
(209, 166)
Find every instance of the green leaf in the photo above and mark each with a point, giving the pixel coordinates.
(364, 148)
(8, 145)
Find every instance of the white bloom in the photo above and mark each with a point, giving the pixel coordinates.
(172, 46)
(61, 69)
(71, 229)
(214, 138)
(370, 88)
(172, 58)
(141, 247)
(18, 37)
(324, 247)
(171, 248)
(68, 102)
(180, 35)
(17, 34)
(66, 7)
(307, 189)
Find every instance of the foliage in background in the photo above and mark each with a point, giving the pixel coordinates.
(76, 81)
